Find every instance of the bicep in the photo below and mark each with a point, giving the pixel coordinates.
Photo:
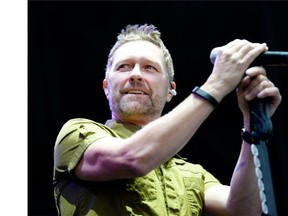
(215, 200)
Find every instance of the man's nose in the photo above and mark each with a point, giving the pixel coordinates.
(136, 74)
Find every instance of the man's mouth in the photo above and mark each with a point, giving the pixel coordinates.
(135, 92)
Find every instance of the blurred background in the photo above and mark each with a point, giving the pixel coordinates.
(68, 45)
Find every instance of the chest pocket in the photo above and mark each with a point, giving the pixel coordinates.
(194, 182)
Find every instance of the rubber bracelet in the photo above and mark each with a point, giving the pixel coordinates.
(248, 137)
(253, 137)
(205, 96)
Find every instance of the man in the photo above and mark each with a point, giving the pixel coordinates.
(129, 166)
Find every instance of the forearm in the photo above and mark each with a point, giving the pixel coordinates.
(154, 144)
(168, 134)
(165, 136)
(244, 193)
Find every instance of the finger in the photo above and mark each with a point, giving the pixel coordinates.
(272, 91)
(244, 83)
(249, 51)
(233, 43)
(275, 97)
(254, 71)
(256, 75)
(217, 51)
(229, 48)
(256, 86)
(240, 52)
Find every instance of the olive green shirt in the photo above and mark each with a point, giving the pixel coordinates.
(174, 188)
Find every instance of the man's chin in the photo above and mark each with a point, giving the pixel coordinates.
(135, 96)
(133, 108)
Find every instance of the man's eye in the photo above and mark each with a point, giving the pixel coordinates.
(123, 67)
(150, 68)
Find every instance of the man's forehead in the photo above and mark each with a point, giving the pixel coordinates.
(139, 49)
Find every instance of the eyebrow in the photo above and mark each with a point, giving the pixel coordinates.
(144, 59)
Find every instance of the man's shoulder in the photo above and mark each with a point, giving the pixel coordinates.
(82, 125)
(79, 121)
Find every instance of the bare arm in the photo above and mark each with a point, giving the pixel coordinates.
(243, 196)
(111, 158)
(244, 186)
(114, 158)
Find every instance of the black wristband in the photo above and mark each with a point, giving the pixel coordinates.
(248, 137)
(253, 138)
(205, 96)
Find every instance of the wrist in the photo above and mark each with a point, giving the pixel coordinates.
(215, 90)
(247, 136)
(246, 122)
(205, 96)
(253, 137)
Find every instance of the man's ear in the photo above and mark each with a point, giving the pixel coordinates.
(105, 88)
(172, 91)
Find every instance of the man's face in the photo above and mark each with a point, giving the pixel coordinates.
(137, 85)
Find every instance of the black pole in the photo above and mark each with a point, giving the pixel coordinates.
(261, 129)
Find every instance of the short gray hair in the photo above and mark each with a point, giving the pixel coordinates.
(142, 32)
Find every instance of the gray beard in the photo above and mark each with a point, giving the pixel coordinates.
(121, 106)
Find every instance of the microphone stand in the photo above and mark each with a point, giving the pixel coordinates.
(261, 131)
